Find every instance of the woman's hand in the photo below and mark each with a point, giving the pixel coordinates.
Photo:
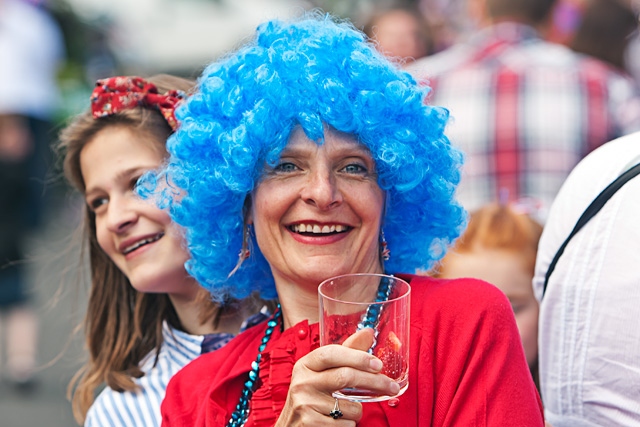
(331, 368)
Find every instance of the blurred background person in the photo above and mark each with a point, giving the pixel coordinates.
(605, 29)
(565, 19)
(499, 246)
(401, 33)
(632, 54)
(449, 20)
(589, 340)
(31, 49)
(525, 111)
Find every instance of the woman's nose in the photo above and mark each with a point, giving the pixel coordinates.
(321, 190)
(121, 214)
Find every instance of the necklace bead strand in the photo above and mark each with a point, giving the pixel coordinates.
(371, 318)
(239, 416)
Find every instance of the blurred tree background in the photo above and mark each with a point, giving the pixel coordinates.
(174, 36)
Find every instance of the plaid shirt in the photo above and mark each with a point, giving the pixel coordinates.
(525, 111)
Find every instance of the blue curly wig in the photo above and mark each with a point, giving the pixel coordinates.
(312, 72)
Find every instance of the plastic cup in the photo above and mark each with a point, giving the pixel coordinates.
(352, 302)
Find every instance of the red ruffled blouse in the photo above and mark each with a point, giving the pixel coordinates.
(467, 368)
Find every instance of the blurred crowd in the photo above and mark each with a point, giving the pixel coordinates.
(533, 88)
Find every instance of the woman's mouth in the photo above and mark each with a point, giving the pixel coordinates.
(315, 229)
(142, 242)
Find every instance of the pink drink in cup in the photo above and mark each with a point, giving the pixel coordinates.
(352, 302)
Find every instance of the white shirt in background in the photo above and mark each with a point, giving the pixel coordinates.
(589, 336)
(31, 51)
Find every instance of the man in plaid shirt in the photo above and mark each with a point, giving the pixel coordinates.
(524, 111)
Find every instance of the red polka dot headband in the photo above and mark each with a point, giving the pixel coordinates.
(116, 94)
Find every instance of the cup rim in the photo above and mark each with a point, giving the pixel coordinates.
(405, 295)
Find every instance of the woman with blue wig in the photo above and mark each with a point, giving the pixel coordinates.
(314, 156)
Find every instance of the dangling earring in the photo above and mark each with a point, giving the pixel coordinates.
(245, 252)
(385, 253)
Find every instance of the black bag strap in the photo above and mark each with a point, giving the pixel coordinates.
(589, 213)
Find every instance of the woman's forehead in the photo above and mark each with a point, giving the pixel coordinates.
(335, 139)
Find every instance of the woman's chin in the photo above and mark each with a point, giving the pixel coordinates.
(313, 270)
(314, 278)
(311, 278)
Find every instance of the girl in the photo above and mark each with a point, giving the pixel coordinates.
(146, 317)
(500, 246)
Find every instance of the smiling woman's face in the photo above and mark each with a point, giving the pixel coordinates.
(138, 237)
(318, 212)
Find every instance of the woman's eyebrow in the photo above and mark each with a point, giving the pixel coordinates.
(124, 174)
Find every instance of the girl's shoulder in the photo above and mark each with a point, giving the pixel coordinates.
(187, 388)
(142, 406)
(127, 408)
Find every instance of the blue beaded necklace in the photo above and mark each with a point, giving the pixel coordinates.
(369, 320)
(239, 416)
(371, 317)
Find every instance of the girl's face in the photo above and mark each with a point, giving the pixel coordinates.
(399, 36)
(506, 270)
(317, 213)
(138, 237)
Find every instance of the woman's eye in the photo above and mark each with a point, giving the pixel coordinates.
(96, 203)
(355, 168)
(134, 182)
(286, 167)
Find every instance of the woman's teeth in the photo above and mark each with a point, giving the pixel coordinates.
(317, 229)
(142, 243)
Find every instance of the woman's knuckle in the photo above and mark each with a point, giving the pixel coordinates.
(323, 355)
(296, 389)
(357, 411)
(344, 377)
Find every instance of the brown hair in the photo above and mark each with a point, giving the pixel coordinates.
(534, 12)
(604, 31)
(122, 325)
(497, 226)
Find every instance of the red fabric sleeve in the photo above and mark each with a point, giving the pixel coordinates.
(467, 367)
(468, 358)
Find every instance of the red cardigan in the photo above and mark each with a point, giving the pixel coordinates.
(467, 367)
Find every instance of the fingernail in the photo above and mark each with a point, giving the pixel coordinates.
(376, 364)
(394, 388)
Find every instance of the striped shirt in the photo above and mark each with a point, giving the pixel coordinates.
(142, 407)
(525, 111)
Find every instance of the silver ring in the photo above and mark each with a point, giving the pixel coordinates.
(336, 413)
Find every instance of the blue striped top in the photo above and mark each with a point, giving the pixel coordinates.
(142, 407)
